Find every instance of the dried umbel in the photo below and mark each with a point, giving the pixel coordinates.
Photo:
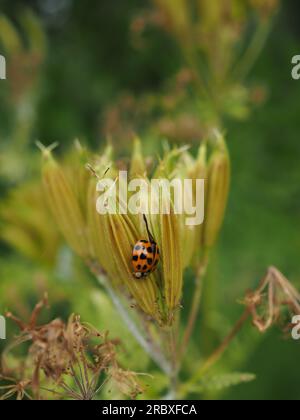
(274, 302)
(14, 388)
(268, 302)
(69, 361)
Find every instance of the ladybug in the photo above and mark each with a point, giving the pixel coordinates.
(145, 255)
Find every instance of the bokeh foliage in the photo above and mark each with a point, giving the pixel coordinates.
(91, 61)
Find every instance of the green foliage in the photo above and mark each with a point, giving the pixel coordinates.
(94, 78)
(222, 381)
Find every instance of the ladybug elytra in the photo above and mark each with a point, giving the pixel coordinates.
(145, 256)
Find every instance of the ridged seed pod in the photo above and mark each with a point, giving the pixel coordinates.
(137, 166)
(120, 235)
(216, 192)
(64, 205)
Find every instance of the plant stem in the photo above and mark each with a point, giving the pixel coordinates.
(216, 355)
(254, 49)
(155, 355)
(173, 375)
(221, 349)
(195, 306)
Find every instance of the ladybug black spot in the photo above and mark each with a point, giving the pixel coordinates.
(150, 261)
(135, 258)
(150, 249)
(145, 267)
(143, 257)
(139, 267)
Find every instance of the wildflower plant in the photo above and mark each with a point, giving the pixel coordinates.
(150, 306)
(219, 43)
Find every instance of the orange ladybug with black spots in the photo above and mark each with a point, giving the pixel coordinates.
(145, 256)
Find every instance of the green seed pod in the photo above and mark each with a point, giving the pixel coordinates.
(188, 234)
(78, 176)
(96, 235)
(113, 237)
(192, 169)
(103, 163)
(138, 166)
(217, 192)
(120, 235)
(64, 205)
(167, 234)
(199, 171)
(169, 166)
(172, 260)
(28, 225)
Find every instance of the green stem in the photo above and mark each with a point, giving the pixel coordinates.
(253, 51)
(195, 306)
(155, 355)
(173, 356)
(216, 355)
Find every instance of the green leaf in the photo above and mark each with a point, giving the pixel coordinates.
(219, 382)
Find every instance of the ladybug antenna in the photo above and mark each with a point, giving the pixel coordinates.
(107, 170)
(93, 171)
(148, 230)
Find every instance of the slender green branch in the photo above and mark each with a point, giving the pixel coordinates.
(195, 306)
(172, 342)
(253, 51)
(216, 355)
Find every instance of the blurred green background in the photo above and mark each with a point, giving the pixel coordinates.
(90, 62)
